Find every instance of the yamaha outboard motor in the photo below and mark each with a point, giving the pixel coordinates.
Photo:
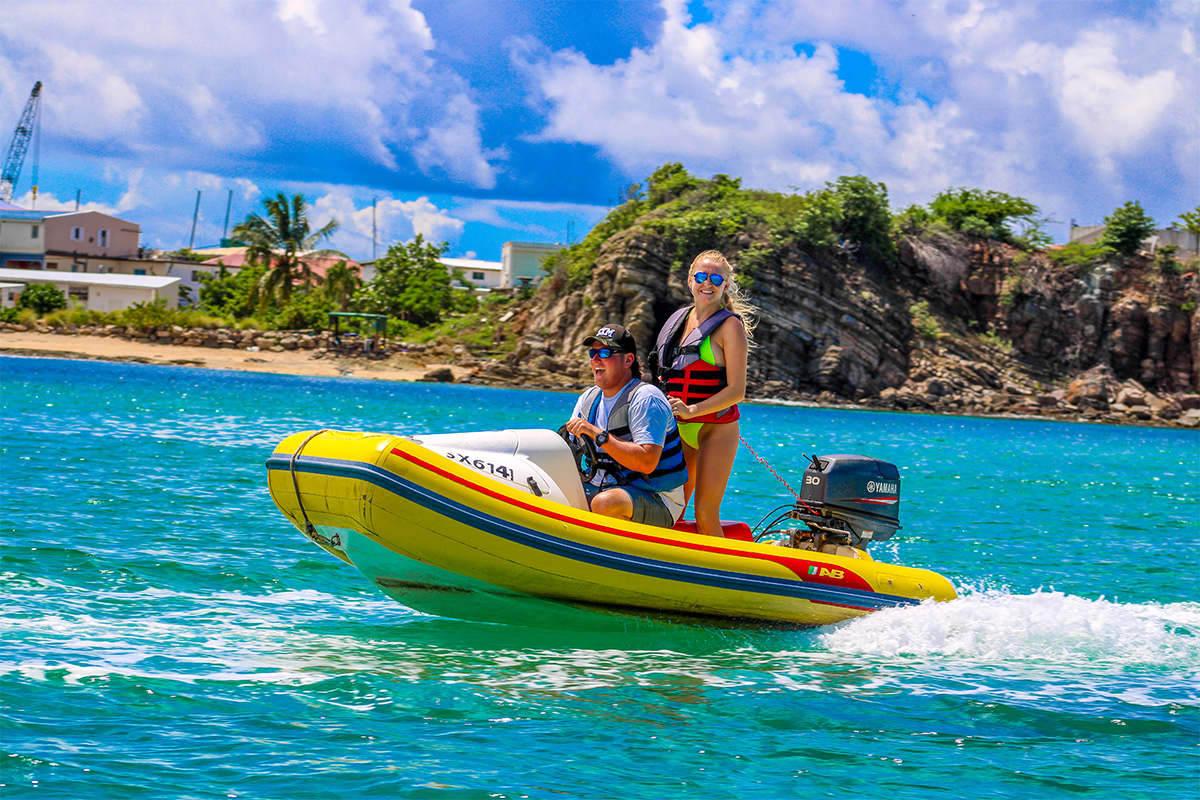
(847, 500)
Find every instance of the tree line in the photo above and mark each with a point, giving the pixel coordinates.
(280, 287)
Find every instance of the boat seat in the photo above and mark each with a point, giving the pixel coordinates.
(732, 530)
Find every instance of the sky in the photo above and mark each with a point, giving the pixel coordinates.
(477, 122)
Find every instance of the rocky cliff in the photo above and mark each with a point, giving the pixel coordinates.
(946, 323)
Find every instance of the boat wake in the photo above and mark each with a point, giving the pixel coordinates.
(1045, 626)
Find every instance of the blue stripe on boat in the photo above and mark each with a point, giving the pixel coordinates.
(389, 481)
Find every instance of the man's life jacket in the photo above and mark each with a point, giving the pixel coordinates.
(687, 369)
(671, 471)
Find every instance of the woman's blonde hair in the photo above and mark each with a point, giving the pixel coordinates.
(733, 299)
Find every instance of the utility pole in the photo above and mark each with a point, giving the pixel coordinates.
(195, 216)
(77, 193)
(374, 229)
(228, 206)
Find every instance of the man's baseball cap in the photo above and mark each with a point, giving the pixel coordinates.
(613, 336)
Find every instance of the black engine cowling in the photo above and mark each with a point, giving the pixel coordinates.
(855, 499)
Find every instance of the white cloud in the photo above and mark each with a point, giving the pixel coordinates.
(231, 80)
(1112, 110)
(775, 118)
(304, 10)
(454, 145)
(81, 80)
(533, 219)
(1034, 98)
(1069, 104)
(47, 201)
(393, 220)
(133, 197)
(249, 190)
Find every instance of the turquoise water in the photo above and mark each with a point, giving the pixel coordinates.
(167, 634)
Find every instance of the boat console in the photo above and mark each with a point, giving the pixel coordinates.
(532, 460)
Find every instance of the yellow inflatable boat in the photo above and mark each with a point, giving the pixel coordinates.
(494, 526)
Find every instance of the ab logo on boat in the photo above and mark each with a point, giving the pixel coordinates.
(882, 486)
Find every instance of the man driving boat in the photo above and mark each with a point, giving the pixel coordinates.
(640, 468)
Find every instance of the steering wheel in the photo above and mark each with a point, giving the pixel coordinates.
(583, 450)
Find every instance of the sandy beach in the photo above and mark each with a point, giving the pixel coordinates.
(288, 362)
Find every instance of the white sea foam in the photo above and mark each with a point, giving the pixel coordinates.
(267, 638)
(86, 650)
(220, 636)
(1044, 626)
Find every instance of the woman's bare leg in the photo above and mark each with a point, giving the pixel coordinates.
(718, 447)
(689, 458)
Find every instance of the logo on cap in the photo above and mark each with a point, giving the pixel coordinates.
(609, 332)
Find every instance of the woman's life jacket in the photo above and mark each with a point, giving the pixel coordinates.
(687, 369)
(671, 471)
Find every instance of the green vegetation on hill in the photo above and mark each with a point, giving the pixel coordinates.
(972, 271)
(849, 216)
(990, 215)
(846, 218)
(696, 214)
(1189, 221)
(1126, 228)
(1079, 257)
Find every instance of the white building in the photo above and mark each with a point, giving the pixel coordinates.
(98, 292)
(9, 292)
(521, 263)
(521, 266)
(1186, 242)
(22, 238)
(476, 273)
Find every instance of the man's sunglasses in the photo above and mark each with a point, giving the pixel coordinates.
(603, 352)
(716, 279)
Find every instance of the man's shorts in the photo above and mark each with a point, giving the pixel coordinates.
(649, 508)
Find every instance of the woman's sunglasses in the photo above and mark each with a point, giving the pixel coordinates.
(716, 279)
(603, 352)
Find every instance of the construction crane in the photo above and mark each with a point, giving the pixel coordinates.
(27, 129)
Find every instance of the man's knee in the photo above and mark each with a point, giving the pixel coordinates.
(613, 503)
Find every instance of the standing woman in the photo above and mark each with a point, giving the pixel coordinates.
(701, 365)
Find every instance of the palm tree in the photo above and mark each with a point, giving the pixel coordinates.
(282, 240)
(341, 282)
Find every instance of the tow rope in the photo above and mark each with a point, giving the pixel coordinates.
(779, 477)
(310, 530)
(763, 461)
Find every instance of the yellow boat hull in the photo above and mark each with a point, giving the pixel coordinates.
(442, 538)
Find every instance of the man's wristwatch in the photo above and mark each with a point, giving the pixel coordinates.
(601, 438)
